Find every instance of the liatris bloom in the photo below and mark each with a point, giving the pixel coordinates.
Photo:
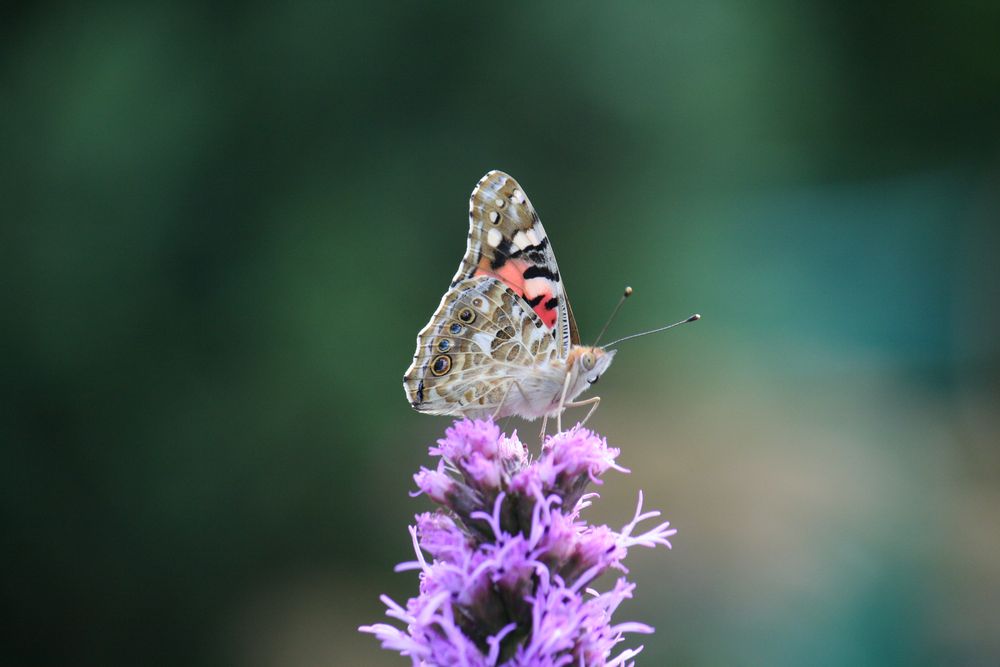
(511, 559)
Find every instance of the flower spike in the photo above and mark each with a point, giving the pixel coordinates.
(506, 562)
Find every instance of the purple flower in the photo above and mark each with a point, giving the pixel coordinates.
(511, 559)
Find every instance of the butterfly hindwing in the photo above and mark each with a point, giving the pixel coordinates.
(482, 337)
(507, 242)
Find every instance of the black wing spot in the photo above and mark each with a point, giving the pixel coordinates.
(552, 303)
(540, 272)
(530, 251)
(535, 301)
(535, 253)
(503, 252)
(420, 392)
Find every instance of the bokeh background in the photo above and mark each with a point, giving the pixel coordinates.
(223, 227)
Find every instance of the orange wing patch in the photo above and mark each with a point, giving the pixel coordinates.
(537, 292)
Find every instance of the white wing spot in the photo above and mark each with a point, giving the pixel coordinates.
(517, 197)
(494, 216)
(494, 237)
(537, 286)
(532, 237)
(521, 240)
(482, 341)
(499, 203)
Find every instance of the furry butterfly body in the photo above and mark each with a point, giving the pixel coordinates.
(503, 341)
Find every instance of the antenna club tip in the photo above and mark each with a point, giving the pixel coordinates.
(628, 290)
(694, 318)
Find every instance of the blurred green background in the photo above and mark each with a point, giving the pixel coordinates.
(223, 227)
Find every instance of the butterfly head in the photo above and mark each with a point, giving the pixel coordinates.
(587, 365)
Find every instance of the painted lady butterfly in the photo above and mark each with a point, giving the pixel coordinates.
(503, 341)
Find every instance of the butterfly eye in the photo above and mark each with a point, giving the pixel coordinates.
(466, 315)
(444, 345)
(441, 365)
(587, 360)
(455, 328)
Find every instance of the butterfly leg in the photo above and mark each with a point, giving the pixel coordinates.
(504, 399)
(541, 436)
(520, 389)
(593, 402)
(562, 403)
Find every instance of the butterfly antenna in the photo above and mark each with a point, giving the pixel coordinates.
(693, 318)
(627, 294)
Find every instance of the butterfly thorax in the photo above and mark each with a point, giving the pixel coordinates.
(539, 388)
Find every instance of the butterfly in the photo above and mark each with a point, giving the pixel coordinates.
(503, 341)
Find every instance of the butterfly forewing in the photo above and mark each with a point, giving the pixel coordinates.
(508, 242)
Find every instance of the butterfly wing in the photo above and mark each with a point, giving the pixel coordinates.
(480, 339)
(507, 242)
